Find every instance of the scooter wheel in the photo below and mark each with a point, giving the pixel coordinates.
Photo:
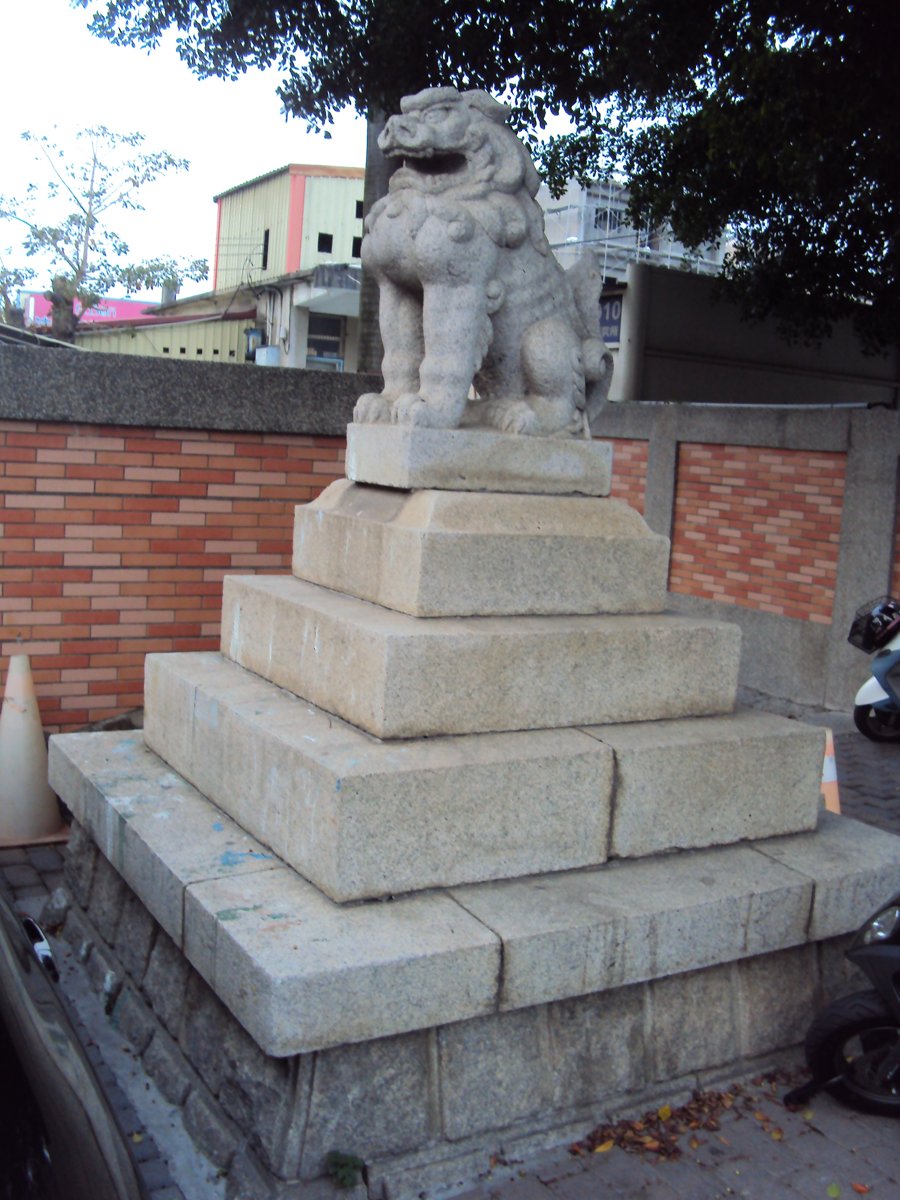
(877, 725)
(856, 1038)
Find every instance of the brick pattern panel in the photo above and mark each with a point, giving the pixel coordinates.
(629, 470)
(758, 527)
(114, 542)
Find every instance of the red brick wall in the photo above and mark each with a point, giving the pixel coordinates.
(114, 541)
(629, 473)
(758, 527)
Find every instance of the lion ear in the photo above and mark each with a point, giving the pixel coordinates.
(487, 106)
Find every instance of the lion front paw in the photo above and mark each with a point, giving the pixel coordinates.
(411, 410)
(372, 408)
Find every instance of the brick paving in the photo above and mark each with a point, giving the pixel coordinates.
(825, 1152)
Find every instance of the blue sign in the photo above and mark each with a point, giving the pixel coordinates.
(611, 318)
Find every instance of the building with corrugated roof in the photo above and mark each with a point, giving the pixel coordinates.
(286, 277)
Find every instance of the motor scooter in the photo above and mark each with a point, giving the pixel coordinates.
(876, 629)
(853, 1046)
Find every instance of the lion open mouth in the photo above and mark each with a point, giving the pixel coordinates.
(436, 164)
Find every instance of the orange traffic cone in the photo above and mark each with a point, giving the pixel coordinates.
(29, 811)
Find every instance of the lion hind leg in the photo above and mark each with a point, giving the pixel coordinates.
(554, 372)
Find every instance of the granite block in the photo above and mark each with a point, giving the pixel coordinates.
(361, 818)
(438, 553)
(712, 781)
(301, 973)
(579, 932)
(397, 676)
(398, 456)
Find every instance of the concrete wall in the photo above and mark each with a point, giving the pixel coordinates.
(804, 661)
(679, 342)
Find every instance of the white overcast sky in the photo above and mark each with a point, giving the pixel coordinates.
(57, 78)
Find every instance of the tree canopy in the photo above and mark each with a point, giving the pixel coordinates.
(773, 121)
(63, 218)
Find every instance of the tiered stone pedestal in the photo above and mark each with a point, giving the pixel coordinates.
(462, 827)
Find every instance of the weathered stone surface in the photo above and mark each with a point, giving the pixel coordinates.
(575, 933)
(104, 973)
(712, 781)
(493, 1071)
(695, 1021)
(165, 982)
(156, 829)
(134, 1019)
(855, 868)
(379, 1098)
(81, 859)
(443, 554)
(134, 936)
(107, 898)
(301, 973)
(217, 1137)
(360, 818)
(777, 994)
(597, 1045)
(255, 1091)
(166, 1066)
(396, 676)
(476, 461)
(204, 1032)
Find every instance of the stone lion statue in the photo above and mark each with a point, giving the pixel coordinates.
(480, 324)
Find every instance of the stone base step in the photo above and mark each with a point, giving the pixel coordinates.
(300, 972)
(446, 554)
(476, 460)
(398, 676)
(362, 818)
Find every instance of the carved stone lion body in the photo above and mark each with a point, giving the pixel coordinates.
(471, 296)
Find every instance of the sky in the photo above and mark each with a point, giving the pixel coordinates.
(58, 78)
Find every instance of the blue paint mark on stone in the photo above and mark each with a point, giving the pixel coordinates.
(234, 858)
(218, 826)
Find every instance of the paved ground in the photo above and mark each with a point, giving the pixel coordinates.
(754, 1149)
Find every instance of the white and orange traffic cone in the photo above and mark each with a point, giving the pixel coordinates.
(831, 796)
(29, 811)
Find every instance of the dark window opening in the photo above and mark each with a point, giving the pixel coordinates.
(215, 351)
(199, 349)
(359, 210)
(325, 243)
(165, 349)
(182, 350)
(231, 354)
(265, 250)
(325, 338)
(357, 247)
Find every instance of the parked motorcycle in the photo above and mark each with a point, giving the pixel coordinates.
(876, 630)
(853, 1046)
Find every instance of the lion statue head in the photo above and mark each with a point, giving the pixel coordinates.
(457, 143)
